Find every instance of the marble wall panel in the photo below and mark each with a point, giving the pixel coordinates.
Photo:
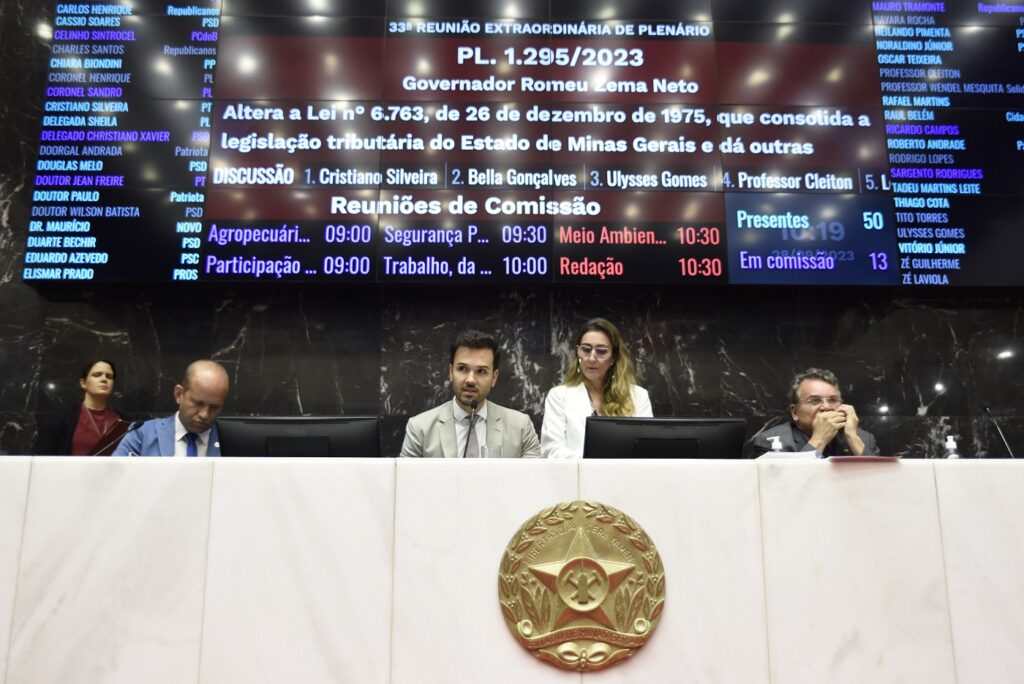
(853, 564)
(979, 508)
(448, 625)
(704, 518)
(671, 336)
(112, 572)
(985, 441)
(770, 336)
(25, 27)
(14, 474)
(918, 436)
(290, 596)
(418, 327)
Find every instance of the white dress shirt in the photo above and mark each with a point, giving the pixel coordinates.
(181, 443)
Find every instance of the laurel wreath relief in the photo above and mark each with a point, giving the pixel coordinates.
(523, 597)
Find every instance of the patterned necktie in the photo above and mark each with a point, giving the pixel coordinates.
(473, 445)
(190, 444)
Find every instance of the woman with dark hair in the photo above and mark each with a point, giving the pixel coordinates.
(600, 382)
(82, 426)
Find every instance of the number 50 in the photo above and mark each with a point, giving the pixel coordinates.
(873, 220)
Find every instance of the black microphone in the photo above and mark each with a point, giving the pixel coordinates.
(472, 419)
(988, 412)
(135, 425)
(842, 446)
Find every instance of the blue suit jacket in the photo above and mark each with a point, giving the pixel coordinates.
(156, 438)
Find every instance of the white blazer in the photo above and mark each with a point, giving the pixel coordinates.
(565, 419)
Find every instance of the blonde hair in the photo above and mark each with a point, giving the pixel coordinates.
(618, 401)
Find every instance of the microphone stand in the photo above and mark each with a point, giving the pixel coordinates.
(988, 412)
(472, 425)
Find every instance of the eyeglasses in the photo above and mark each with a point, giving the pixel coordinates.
(818, 401)
(585, 350)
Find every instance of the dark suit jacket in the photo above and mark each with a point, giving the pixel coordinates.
(56, 434)
(794, 440)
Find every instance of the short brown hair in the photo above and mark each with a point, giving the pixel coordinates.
(474, 339)
(811, 374)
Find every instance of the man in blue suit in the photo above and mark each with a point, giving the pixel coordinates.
(192, 431)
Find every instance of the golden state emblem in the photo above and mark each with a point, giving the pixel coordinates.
(581, 586)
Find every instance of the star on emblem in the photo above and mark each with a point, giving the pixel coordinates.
(583, 581)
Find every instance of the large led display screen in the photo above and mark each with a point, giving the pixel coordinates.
(698, 141)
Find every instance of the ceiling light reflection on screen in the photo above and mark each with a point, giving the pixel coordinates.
(162, 66)
(247, 64)
(758, 77)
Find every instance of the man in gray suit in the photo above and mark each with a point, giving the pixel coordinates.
(469, 426)
(820, 421)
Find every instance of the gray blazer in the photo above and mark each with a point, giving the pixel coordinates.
(431, 434)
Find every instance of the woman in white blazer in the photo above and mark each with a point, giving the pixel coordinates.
(600, 382)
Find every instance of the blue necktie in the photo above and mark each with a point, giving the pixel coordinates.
(190, 444)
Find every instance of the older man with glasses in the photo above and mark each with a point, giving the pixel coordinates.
(820, 421)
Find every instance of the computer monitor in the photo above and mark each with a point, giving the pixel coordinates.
(609, 437)
(299, 436)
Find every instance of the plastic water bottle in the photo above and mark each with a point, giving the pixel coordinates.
(951, 451)
(776, 444)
